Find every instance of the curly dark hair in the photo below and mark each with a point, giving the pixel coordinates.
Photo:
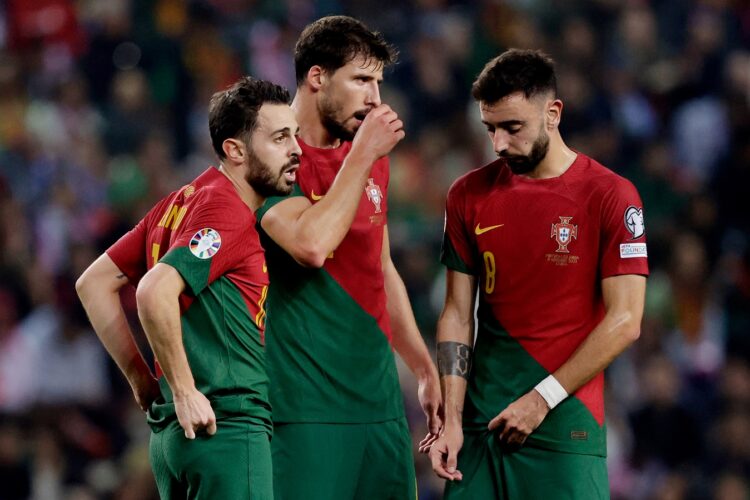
(529, 71)
(233, 112)
(331, 42)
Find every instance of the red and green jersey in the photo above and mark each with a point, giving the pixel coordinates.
(328, 349)
(207, 233)
(539, 249)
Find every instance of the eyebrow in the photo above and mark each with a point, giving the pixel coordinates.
(285, 130)
(507, 123)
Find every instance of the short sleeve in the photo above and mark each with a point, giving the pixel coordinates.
(456, 252)
(129, 254)
(215, 238)
(271, 201)
(623, 235)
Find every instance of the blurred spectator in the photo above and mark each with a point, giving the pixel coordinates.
(104, 107)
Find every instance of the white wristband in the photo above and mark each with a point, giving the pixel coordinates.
(551, 390)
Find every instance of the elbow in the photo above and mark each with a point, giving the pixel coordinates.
(145, 296)
(311, 256)
(630, 328)
(85, 285)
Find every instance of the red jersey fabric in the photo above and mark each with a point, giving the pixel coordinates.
(540, 248)
(356, 263)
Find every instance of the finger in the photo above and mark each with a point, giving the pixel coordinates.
(211, 429)
(396, 125)
(189, 432)
(437, 464)
(496, 422)
(451, 461)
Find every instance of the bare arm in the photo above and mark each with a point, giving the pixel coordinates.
(408, 342)
(309, 233)
(159, 310)
(455, 337)
(623, 300)
(99, 290)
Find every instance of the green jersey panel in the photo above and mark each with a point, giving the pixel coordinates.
(328, 360)
(225, 354)
(502, 372)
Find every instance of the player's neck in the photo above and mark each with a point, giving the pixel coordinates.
(246, 193)
(312, 131)
(558, 160)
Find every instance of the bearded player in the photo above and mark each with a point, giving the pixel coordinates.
(545, 234)
(337, 305)
(201, 276)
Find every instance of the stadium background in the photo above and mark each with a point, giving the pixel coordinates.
(103, 111)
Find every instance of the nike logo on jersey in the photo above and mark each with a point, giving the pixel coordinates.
(481, 230)
(316, 197)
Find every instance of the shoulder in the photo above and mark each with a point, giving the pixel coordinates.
(222, 203)
(597, 179)
(478, 181)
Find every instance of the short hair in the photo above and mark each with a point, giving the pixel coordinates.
(233, 112)
(515, 70)
(331, 42)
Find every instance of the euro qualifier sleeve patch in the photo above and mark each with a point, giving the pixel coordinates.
(205, 243)
(634, 221)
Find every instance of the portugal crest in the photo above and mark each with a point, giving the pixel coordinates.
(374, 194)
(563, 232)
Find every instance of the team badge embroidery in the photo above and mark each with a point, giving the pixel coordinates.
(634, 221)
(205, 243)
(374, 194)
(563, 232)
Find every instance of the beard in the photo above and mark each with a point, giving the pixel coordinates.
(261, 176)
(523, 164)
(336, 127)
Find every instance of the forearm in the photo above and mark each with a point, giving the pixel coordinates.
(407, 340)
(454, 343)
(325, 224)
(98, 289)
(614, 334)
(624, 297)
(159, 312)
(111, 326)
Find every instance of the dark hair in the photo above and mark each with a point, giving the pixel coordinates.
(529, 71)
(331, 42)
(233, 112)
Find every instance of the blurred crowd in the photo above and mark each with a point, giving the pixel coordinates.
(104, 111)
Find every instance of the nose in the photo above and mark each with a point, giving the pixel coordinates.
(296, 150)
(500, 140)
(373, 94)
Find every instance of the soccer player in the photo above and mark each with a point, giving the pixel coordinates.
(555, 244)
(202, 281)
(337, 303)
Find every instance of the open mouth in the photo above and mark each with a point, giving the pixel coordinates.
(290, 174)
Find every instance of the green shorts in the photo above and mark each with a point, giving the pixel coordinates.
(343, 461)
(234, 463)
(525, 474)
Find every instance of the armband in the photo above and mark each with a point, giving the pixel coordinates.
(454, 358)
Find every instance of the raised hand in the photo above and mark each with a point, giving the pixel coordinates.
(379, 133)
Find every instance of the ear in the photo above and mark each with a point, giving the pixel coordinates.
(553, 113)
(316, 77)
(234, 150)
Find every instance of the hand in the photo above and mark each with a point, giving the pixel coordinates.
(520, 419)
(194, 413)
(431, 401)
(444, 453)
(380, 131)
(146, 391)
